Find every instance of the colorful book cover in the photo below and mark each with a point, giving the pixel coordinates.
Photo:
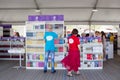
(94, 57)
(59, 26)
(28, 64)
(41, 57)
(36, 27)
(31, 64)
(39, 34)
(100, 64)
(41, 64)
(37, 57)
(60, 49)
(34, 56)
(96, 64)
(61, 41)
(29, 34)
(56, 41)
(49, 64)
(56, 49)
(34, 64)
(30, 57)
(92, 64)
(41, 26)
(89, 57)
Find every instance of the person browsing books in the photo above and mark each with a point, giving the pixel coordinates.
(72, 60)
(49, 38)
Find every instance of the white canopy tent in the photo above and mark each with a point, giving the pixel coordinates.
(108, 28)
(74, 11)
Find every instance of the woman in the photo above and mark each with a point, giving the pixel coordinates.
(72, 60)
(111, 38)
(103, 36)
(16, 34)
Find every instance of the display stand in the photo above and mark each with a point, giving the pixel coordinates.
(92, 56)
(16, 49)
(7, 43)
(118, 41)
(91, 53)
(20, 52)
(35, 46)
(109, 50)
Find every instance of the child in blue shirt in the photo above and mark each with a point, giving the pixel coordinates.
(49, 38)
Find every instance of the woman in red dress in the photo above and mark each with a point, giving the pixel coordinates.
(72, 60)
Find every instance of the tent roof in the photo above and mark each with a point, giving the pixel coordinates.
(74, 11)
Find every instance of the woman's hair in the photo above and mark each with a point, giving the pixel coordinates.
(74, 31)
(103, 34)
(17, 34)
(87, 35)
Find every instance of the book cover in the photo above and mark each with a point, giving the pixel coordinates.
(28, 64)
(60, 49)
(41, 57)
(89, 57)
(41, 64)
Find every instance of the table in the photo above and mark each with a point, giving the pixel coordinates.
(19, 51)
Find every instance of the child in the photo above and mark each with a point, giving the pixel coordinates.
(49, 48)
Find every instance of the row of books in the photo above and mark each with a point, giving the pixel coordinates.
(87, 39)
(37, 42)
(36, 27)
(36, 57)
(41, 64)
(58, 49)
(93, 64)
(29, 50)
(35, 34)
(93, 57)
(85, 64)
(55, 26)
(55, 65)
(35, 64)
(90, 39)
(59, 41)
(46, 26)
(96, 49)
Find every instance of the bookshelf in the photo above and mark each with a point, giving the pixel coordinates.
(92, 56)
(35, 45)
(91, 53)
(11, 43)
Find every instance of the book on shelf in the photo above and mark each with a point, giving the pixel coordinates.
(89, 56)
(49, 64)
(41, 56)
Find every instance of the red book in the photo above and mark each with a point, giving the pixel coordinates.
(60, 49)
(89, 56)
(28, 64)
(56, 41)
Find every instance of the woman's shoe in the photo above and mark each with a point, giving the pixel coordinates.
(78, 72)
(69, 74)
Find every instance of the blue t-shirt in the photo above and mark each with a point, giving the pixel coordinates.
(49, 40)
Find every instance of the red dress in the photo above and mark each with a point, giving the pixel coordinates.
(72, 60)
